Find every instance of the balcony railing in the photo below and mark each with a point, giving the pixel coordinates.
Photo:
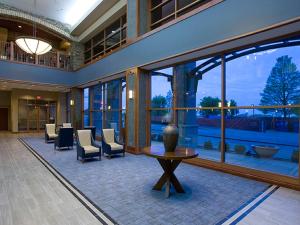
(54, 58)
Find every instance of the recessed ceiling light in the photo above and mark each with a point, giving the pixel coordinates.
(20, 26)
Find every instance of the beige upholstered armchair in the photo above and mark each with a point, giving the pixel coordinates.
(50, 133)
(86, 146)
(67, 125)
(109, 143)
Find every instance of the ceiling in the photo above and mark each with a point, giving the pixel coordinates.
(7, 85)
(70, 12)
(18, 28)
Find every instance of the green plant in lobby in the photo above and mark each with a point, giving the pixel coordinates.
(295, 156)
(208, 145)
(240, 149)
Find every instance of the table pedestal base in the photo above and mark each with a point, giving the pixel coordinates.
(168, 177)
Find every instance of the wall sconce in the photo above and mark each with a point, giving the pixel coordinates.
(71, 102)
(109, 107)
(130, 94)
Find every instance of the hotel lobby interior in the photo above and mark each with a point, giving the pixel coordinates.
(149, 112)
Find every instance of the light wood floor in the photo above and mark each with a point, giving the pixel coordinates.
(30, 194)
(281, 208)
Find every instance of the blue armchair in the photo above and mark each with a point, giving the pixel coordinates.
(64, 139)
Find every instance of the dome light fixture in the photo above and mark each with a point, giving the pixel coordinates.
(33, 45)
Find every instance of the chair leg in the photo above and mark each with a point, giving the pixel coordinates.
(123, 154)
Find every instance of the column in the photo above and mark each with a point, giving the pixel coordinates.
(185, 87)
(76, 109)
(137, 116)
(137, 18)
(77, 55)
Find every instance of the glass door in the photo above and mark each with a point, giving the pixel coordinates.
(32, 124)
(52, 112)
(42, 117)
(34, 114)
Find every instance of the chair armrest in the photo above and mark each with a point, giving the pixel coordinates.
(105, 146)
(95, 144)
(119, 143)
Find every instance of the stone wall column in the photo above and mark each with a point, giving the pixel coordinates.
(76, 109)
(137, 18)
(77, 55)
(185, 87)
(61, 108)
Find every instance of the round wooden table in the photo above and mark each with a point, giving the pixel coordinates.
(169, 161)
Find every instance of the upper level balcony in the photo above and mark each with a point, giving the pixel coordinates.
(54, 58)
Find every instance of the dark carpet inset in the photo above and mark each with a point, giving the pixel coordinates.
(122, 188)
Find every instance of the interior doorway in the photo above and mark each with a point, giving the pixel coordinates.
(3, 119)
(35, 114)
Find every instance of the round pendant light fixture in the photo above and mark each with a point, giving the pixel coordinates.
(33, 45)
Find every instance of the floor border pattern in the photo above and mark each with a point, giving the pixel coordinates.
(237, 216)
(87, 203)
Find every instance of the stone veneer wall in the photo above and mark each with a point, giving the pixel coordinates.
(77, 55)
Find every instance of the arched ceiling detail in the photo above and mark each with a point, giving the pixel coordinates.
(55, 26)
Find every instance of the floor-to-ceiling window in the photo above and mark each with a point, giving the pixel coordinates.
(161, 103)
(105, 106)
(86, 106)
(253, 92)
(97, 107)
(262, 123)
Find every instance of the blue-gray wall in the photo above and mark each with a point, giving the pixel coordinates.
(17, 71)
(227, 19)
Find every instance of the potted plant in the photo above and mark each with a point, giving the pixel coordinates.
(208, 145)
(240, 149)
